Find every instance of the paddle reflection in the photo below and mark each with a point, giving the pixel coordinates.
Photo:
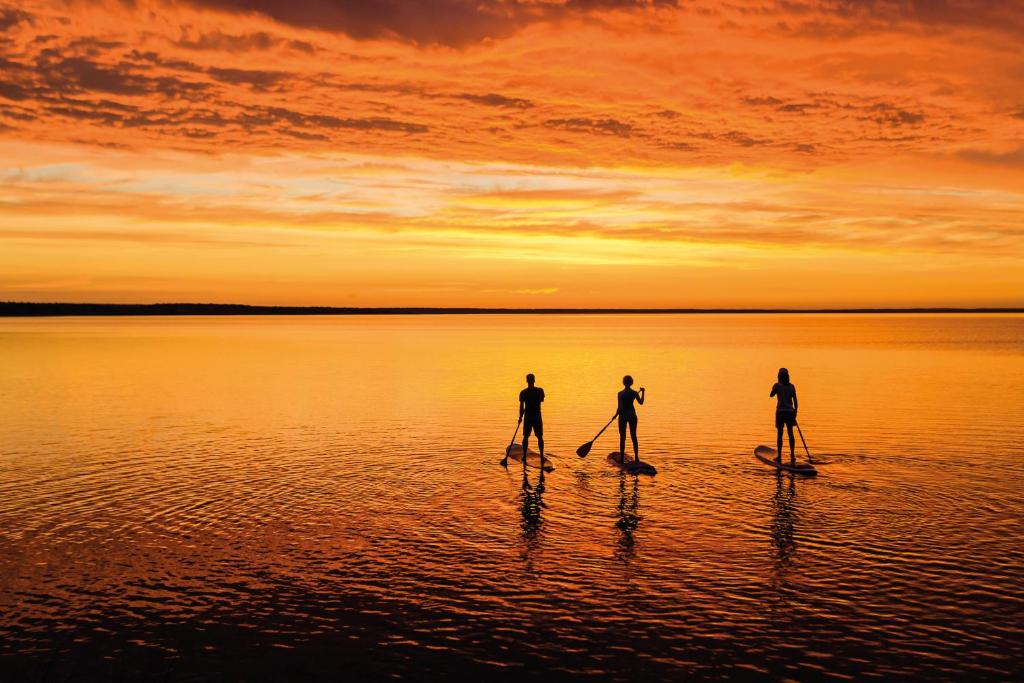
(628, 517)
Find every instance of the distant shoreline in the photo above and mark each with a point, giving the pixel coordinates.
(11, 309)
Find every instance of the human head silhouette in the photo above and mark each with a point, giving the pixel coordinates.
(784, 375)
(530, 379)
(627, 381)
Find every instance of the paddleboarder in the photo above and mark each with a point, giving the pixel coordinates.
(785, 413)
(530, 399)
(627, 416)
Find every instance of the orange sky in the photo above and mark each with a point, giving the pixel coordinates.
(497, 153)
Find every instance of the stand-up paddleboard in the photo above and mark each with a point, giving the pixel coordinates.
(532, 457)
(766, 454)
(631, 466)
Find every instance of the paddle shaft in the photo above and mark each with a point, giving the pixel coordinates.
(605, 427)
(800, 432)
(516, 433)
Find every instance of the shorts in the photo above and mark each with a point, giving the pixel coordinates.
(784, 417)
(534, 425)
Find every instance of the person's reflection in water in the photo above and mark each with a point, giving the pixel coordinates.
(532, 506)
(783, 517)
(628, 519)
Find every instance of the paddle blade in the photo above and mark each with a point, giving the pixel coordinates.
(584, 449)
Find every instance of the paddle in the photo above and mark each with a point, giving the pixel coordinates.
(809, 458)
(585, 448)
(504, 461)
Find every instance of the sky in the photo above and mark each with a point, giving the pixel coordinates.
(539, 153)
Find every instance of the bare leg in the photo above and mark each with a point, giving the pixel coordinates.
(636, 445)
(622, 439)
(792, 444)
(778, 443)
(526, 440)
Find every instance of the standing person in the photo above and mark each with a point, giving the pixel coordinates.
(785, 413)
(530, 399)
(627, 416)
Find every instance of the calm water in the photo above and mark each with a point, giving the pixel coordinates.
(307, 498)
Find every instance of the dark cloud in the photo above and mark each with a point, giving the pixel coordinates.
(77, 74)
(586, 125)
(11, 17)
(17, 115)
(848, 18)
(258, 79)
(86, 114)
(742, 139)
(1014, 157)
(798, 107)
(13, 91)
(373, 123)
(763, 101)
(264, 116)
(302, 135)
(203, 123)
(683, 146)
(1018, 114)
(495, 100)
(248, 42)
(447, 22)
(890, 115)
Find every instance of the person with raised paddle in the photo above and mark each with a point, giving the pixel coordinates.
(785, 413)
(627, 417)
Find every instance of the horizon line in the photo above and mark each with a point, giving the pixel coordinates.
(58, 309)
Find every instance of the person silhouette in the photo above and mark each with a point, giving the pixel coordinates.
(530, 399)
(785, 413)
(627, 416)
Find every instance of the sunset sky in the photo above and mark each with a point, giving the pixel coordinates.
(495, 153)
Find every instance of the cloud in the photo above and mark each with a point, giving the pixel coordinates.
(11, 17)
(891, 115)
(798, 107)
(217, 41)
(1013, 158)
(762, 101)
(78, 74)
(446, 22)
(588, 125)
(255, 78)
(844, 19)
(495, 100)
(743, 139)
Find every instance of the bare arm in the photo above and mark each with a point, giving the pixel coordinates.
(522, 409)
(794, 400)
(775, 389)
(640, 398)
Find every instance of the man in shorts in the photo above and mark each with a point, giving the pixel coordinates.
(530, 399)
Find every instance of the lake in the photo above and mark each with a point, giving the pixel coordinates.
(282, 498)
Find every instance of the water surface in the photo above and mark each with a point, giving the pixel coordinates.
(304, 498)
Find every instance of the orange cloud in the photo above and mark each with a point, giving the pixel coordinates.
(714, 137)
